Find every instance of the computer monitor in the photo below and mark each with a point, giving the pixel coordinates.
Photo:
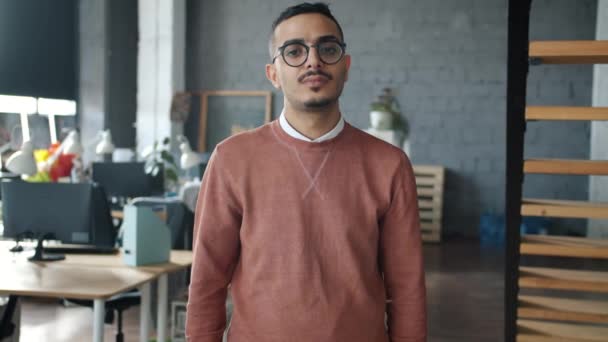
(73, 213)
(127, 179)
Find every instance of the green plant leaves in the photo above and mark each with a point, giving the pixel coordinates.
(167, 157)
(171, 175)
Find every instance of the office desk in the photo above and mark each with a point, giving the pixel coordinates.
(94, 277)
(119, 214)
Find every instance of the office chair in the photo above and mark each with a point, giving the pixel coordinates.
(7, 327)
(117, 304)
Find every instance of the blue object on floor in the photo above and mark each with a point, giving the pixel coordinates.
(492, 228)
(535, 225)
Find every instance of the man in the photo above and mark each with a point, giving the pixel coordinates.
(312, 222)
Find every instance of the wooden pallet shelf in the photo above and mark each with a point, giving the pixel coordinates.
(563, 279)
(535, 331)
(563, 208)
(548, 316)
(565, 113)
(564, 246)
(566, 167)
(430, 183)
(562, 309)
(570, 51)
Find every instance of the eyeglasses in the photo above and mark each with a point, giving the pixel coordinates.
(295, 54)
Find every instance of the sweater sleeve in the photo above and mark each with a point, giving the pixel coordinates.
(401, 260)
(216, 252)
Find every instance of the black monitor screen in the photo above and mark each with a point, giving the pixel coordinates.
(127, 179)
(73, 213)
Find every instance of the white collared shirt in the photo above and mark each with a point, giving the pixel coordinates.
(294, 133)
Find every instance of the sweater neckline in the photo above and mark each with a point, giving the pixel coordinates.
(288, 140)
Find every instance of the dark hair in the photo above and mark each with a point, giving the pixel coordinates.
(303, 8)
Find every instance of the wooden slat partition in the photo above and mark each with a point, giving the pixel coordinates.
(570, 51)
(567, 240)
(562, 208)
(567, 113)
(550, 304)
(535, 331)
(566, 167)
(563, 279)
(430, 183)
(563, 246)
(563, 309)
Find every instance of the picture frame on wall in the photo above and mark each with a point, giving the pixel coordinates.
(227, 112)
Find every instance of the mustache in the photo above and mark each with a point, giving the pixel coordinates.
(315, 73)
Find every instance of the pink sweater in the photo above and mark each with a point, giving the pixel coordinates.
(317, 242)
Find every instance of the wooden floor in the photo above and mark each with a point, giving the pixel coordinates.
(465, 301)
(465, 292)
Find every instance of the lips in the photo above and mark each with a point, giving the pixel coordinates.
(315, 81)
(315, 78)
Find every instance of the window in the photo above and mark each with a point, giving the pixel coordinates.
(41, 120)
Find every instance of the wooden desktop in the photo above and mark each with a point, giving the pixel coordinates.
(97, 277)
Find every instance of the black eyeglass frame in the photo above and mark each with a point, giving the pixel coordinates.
(307, 47)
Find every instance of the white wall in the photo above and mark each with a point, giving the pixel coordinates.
(598, 185)
(92, 82)
(160, 67)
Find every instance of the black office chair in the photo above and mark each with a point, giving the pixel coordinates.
(117, 304)
(7, 328)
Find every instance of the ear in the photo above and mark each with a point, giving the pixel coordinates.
(271, 75)
(347, 61)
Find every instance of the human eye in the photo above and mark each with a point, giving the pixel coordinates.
(329, 49)
(293, 50)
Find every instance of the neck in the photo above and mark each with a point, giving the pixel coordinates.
(313, 124)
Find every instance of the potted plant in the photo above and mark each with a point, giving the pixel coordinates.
(385, 113)
(158, 157)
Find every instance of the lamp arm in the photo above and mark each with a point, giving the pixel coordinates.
(53, 158)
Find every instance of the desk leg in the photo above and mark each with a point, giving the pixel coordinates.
(163, 281)
(144, 313)
(99, 308)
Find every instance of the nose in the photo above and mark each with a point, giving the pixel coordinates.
(313, 60)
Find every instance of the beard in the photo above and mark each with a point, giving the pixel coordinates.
(316, 104)
(322, 102)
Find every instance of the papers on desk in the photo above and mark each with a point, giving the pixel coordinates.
(147, 239)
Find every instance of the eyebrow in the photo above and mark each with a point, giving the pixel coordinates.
(327, 38)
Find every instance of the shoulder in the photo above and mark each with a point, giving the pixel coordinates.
(387, 164)
(378, 151)
(244, 144)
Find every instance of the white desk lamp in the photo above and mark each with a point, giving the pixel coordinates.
(188, 158)
(105, 147)
(22, 162)
(71, 144)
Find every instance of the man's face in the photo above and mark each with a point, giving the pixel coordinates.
(314, 85)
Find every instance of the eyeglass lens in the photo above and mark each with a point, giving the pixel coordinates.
(295, 54)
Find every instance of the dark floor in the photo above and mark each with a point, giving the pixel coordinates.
(465, 301)
(465, 292)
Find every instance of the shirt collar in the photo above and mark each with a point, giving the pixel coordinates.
(294, 133)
